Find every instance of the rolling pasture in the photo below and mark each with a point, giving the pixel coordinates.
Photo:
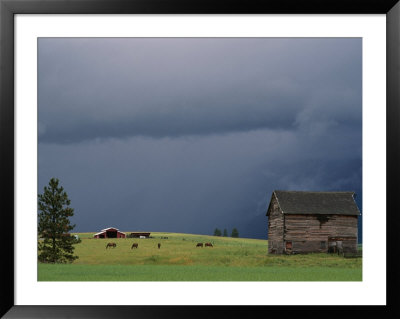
(178, 259)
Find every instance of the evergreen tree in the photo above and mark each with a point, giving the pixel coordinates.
(217, 232)
(225, 233)
(54, 226)
(235, 233)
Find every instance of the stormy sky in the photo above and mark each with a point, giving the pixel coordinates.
(190, 134)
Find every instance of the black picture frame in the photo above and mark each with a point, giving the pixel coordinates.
(8, 8)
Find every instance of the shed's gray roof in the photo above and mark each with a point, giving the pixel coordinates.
(329, 203)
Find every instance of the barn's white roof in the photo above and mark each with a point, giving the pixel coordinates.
(109, 228)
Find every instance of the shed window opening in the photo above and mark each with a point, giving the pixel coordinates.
(323, 244)
(288, 245)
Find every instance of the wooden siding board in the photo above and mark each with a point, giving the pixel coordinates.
(275, 228)
(307, 232)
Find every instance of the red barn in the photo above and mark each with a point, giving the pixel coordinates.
(110, 232)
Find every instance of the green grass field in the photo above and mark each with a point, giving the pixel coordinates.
(231, 259)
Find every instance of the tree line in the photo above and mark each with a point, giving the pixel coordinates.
(234, 233)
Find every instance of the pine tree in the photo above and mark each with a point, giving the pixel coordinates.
(235, 233)
(225, 233)
(217, 232)
(54, 225)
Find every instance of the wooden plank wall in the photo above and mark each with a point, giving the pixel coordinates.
(306, 232)
(275, 228)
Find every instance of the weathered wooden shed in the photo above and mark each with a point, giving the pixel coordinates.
(139, 235)
(304, 222)
(110, 232)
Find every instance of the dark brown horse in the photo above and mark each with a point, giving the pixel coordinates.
(208, 244)
(199, 245)
(135, 245)
(113, 245)
(159, 245)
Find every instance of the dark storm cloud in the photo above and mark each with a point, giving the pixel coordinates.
(194, 184)
(187, 135)
(100, 88)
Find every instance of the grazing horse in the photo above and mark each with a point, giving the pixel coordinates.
(159, 245)
(111, 245)
(135, 245)
(208, 244)
(199, 245)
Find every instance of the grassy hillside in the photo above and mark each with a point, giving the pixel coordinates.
(180, 259)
